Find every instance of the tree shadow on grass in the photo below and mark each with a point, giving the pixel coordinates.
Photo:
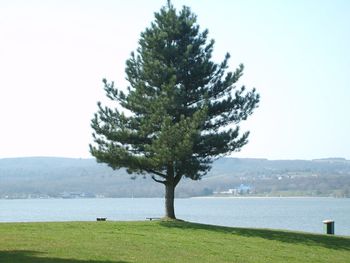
(326, 241)
(26, 256)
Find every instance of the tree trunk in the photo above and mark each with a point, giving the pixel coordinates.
(169, 200)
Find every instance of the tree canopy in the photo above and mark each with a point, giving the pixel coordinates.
(181, 110)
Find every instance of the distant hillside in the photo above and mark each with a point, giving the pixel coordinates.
(66, 177)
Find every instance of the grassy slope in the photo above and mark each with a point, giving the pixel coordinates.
(104, 242)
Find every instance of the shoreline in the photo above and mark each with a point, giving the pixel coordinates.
(266, 197)
(190, 197)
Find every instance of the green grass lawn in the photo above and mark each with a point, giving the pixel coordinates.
(162, 241)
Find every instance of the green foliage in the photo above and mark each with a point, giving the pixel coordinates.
(181, 109)
(171, 241)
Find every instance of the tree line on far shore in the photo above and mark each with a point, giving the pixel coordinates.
(57, 177)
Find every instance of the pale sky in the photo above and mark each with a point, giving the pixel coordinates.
(54, 54)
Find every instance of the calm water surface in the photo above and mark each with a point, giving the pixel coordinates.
(301, 214)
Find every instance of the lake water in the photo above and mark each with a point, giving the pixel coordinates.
(301, 214)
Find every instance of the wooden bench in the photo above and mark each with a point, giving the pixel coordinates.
(153, 218)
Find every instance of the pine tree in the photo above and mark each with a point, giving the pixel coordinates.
(181, 110)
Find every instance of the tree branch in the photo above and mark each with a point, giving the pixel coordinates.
(158, 181)
(156, 173)
(177, 179)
